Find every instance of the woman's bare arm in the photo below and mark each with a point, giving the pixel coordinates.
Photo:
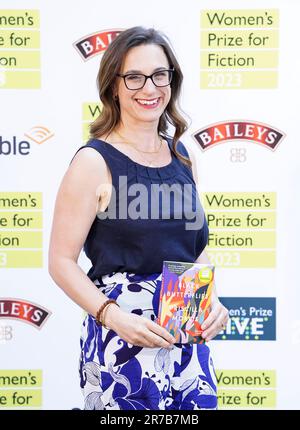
(75, 210)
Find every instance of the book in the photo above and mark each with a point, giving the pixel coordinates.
(185, 299)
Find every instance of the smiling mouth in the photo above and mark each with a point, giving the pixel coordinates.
(148, 103)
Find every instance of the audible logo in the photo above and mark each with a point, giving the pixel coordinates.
(39, 134)
(15, 146)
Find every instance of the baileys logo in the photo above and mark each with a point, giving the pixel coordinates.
(96, 43)
(23, 310)
(250, 131)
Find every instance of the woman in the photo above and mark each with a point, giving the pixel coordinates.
(127, 360)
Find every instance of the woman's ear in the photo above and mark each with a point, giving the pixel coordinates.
(115, 92)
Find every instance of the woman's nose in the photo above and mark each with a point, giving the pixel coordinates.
(149, 85)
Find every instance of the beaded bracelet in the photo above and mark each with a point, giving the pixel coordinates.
(104, 313)
(101, 309)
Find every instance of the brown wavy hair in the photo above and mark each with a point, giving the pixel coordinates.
(110, 66)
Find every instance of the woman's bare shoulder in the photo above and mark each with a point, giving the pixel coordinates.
(87, 170)
(88, 155)
(89, 159)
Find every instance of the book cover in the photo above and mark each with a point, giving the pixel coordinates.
(185, 299)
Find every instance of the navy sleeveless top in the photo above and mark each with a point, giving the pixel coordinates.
(154, 214)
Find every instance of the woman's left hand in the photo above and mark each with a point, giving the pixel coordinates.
(216, 321)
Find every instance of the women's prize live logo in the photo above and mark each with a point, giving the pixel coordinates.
(250, 318)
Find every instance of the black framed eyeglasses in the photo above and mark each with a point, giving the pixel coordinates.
(136, 81)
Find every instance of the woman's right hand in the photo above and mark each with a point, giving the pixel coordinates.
(137, 330)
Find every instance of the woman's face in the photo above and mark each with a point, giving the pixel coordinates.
(145, 59)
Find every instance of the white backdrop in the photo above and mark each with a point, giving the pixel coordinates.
(44, 86)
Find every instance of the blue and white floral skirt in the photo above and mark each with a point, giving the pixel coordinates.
(118, 375)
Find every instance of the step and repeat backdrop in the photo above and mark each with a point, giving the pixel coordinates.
(241, 92)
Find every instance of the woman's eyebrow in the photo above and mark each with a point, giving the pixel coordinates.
(139, 71)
